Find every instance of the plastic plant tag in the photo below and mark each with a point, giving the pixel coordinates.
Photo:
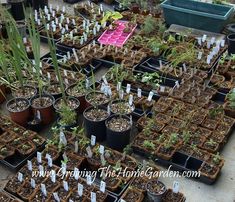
(76, 147)
(128, 88)
(176, 187)
(65, 185)
(199, 56)
(93, 197)
(212, 40)
(204, 38)
(32, 183)
(39, 157)
(76, 174)
(89, 152)
(208, 60)
(63, 9)
(20, 177)
(131, 119)
(56, 196)
(199, 40)
(30, 166)
(139, 93)
(121, 94)
(150, 96)
(101, 7)
(80, 189)
(208, 45)
(88, 180)
(102, 186)
(121, 200)
(24, 40)
(105, 80)
(101, 149)
(162, 88)
(184, 67)
(75, 54)
(43, 189)
(73, 22)
(131, 100)
(222, 43)
(41, 170)
(118, 86)
(53, 176)
(93, 140)
(63, 138)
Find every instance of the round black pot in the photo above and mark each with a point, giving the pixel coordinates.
(96, 128)
(118, 140)
(231, 44)
(17, 9)
(35, 125)
(37, 4)
(153, 197)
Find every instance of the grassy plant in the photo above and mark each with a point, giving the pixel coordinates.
(67, 115)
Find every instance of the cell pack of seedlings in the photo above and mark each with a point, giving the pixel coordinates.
(98, 101)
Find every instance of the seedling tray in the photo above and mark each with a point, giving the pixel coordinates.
(16, 161)
(116, 37)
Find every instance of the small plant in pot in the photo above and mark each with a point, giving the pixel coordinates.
(229, 106)
(155, 190)
(67, 117)
(121, 107)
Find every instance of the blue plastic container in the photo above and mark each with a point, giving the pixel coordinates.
(199, 15)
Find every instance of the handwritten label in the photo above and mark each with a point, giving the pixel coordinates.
(102, 186)
(150, 96)
(32, 183)
(20, 177)
(139, 93)
(43, 189)
(89, 152)
(80, 189)
(93, 197)
(101, 149)
(30, 166)
(93, 140)
(56, 196)
(65, 185)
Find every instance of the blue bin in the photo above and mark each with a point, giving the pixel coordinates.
(199, 15)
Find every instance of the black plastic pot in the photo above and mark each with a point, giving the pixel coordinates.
(154, 197)
(17, 9)
(67, 98)
(39, 4)
(231, 44)
(193, 163)
(96, 128)
(118, 140)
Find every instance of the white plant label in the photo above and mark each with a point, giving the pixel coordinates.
(76, 173)
(32, 183)
(184, 67)
(128, 88)
(88, 180)
(204, 38)
(208, 45)
(121, 200)
(101, 149)
(93, 140)
(89, 152)
(30, 166)
(212, 40)
(65, 157)
(53, 176)
(102, 186)
(80, 189)
(139, 93)
(105, 80)
(41, 170)
(39, 157)
(121, 94)
(222, 43)
(63, 139)
(162, 88)
(75, 54)
(176, 186)
(76, 147)
(118, 86)
(43, 189)
(65, 185)
(150, 96)
(56, 196)
(130, 100)
(63, 9)
(199, 40)
(20, 177)
(177, 84)
(199, 57)
(160, 63)
(93, 197)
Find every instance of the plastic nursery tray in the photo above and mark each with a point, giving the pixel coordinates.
(16, 161)
(116, 37)
(11, 197)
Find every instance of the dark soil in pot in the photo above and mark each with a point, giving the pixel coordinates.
(19, 110)
(118, 129)
(27, 92)
(54, 89)
(44, 105)
(73, 91)
(155, 190)
(94, 120)
(97, 98)
(72, 102)
(121, 107)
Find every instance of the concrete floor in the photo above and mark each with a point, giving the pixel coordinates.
(222, 191)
